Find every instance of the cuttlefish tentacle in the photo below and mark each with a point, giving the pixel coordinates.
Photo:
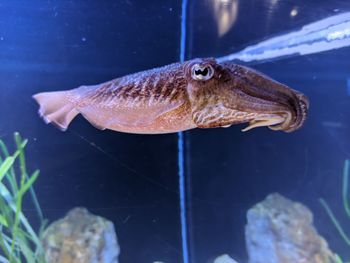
(198, 93)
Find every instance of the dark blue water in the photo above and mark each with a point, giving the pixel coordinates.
(133, 179)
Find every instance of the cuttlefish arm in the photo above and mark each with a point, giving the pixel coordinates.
(237, 94)
(198, 93)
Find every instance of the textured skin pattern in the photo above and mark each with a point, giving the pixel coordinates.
(158, 86)
(172, 98)
(152, 101)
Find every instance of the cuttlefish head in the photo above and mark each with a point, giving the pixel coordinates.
(222, 94)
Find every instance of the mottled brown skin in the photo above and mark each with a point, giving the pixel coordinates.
(172, 98)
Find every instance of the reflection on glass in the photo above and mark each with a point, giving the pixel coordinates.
(294, 12)
(326, 34)
(225, 14)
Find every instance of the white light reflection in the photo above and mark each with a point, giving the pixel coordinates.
(339, 34)
(327, 34)
(225, 14)
(294, 12)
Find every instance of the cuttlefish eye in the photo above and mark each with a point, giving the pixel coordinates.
(202, 72)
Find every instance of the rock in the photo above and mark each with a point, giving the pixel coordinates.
(81, 237)
(282, 231)
(224, 259)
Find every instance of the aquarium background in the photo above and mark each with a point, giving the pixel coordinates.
(133, 180)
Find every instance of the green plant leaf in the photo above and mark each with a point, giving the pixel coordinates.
(5, 166)
(3, 221)
(338, 259)
(4, 246)
(18, 241)
(345, 188)
(11, 177)
(24, 247)
(335, 221)
(22, 163)
(4, 149)
(29, 183)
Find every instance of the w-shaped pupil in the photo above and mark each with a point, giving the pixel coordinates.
(203, 72)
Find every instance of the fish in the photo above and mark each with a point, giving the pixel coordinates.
(198, 93)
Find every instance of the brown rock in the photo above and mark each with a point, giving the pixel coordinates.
(81, 237)
(224, 259)
(281, 231)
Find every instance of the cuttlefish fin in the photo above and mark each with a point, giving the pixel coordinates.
(56, 108)
(92, 121)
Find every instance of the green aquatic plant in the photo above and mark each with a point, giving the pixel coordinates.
(18, 240)
(345, 199)
(338, 259)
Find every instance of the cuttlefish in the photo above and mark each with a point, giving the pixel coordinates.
(199, 93)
